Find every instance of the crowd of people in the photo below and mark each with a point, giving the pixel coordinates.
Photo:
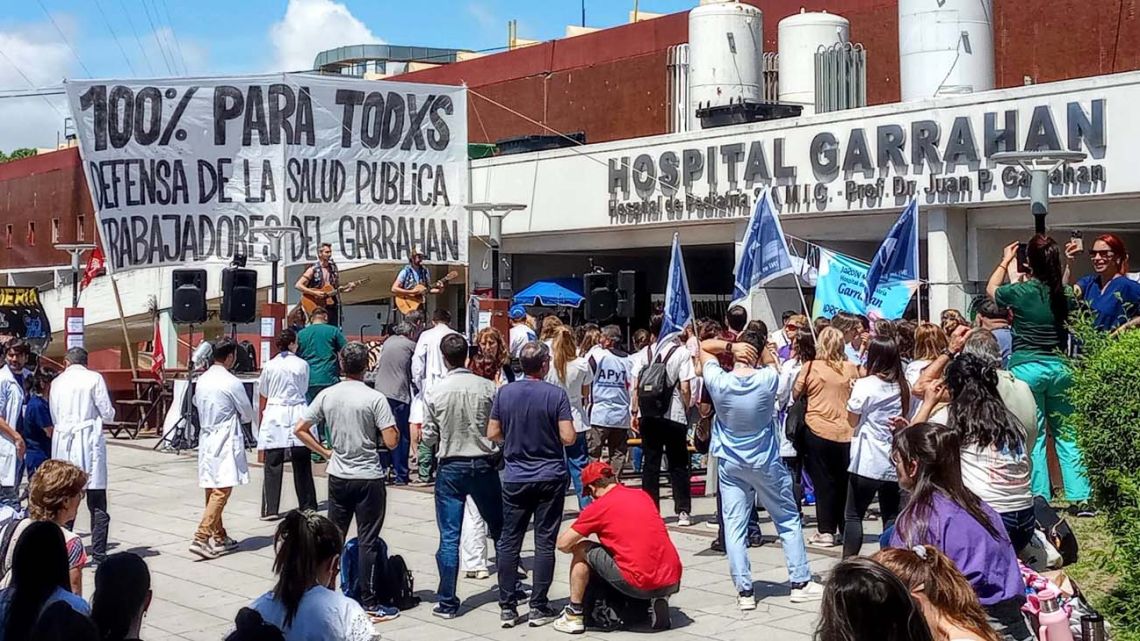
(938, 428)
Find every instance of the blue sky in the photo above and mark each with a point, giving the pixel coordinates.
(45, 41)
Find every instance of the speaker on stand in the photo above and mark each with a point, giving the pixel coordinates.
(187, 307)
(601, 299)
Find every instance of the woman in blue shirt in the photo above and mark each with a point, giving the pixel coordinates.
(1113, 297)
(37, 425)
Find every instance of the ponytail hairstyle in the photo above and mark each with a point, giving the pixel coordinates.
(304, 542)
(977, 413)
(1044, 257)
(122, 593)
(39, 566)
(864, 601)
(937, 451)
(564, 350)
(930, 574)
(883, 361)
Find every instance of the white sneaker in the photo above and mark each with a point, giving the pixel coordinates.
(812, 591)
(746, 602)
(478, 574)
(683, 519)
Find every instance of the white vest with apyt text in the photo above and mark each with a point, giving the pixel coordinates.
(610, 390)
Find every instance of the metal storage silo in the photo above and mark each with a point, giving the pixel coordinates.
(945, 47)
(726, 54)
(800, 37)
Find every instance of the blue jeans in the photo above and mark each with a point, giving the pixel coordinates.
(740, 486)
(400, 411)
(455, 480)
(636, 455)
(576, 459)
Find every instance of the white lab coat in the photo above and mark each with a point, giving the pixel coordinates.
(284, 380)
(472, 539)
(428, 367)
(11, 404)
(222, 407)
(79, 405)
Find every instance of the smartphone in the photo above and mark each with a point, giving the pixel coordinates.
(1022, 258)
(1077, 238)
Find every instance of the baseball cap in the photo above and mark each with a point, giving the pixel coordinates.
(596, 470)
(516, 312)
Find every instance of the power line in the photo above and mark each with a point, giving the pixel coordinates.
(65, 39)
(173, 35)
(114, 35)
(31, 84)
(142, 50)
(157, 39)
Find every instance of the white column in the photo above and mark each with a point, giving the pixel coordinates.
(169, 339)
(946, 260)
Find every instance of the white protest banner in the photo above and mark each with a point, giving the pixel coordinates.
(180, 169)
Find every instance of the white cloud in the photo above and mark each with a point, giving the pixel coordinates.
(36, 51)
(312, 26)
(484, 16)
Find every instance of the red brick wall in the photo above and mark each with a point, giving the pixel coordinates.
(37, 190)
(612, 84)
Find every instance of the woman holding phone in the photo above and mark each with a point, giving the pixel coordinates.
(1040, 305)
(1113, 297)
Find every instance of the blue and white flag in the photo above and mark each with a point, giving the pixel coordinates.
(897, 258)
(764, 255)
(678, 302)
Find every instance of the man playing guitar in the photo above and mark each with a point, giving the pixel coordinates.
(413, 276)
(321, 273)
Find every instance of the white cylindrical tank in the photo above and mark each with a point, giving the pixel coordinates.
(800, 36)
(945, 47)
(726, 54)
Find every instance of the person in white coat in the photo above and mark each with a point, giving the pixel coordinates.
(222, 406)
(428, 368)
(11, 406)
(283, 382)
(79, 405)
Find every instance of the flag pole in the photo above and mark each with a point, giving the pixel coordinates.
(800, 289)
(123, 324)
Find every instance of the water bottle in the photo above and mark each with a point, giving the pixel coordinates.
(1053, 620)
(1092, 628)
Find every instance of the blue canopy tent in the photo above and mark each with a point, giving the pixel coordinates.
(550, 293)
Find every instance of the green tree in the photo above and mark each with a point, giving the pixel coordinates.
(22, 152)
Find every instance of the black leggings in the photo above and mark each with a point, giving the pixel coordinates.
(826, 463)
(860, 492)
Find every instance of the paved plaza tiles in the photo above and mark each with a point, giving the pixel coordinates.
(155, 504)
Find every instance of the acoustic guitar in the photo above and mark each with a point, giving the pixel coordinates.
(328, 296)
(408, 303)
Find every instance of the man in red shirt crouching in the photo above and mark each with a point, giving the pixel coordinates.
(634, 553)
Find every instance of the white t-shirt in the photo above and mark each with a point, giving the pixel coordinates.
(789, 372)
(577, 375)
(679, 369)
(322, 614)
(875, 401)
(520, 334)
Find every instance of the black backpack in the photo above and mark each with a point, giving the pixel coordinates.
(392, 581)
(608, 610)
(654, 391)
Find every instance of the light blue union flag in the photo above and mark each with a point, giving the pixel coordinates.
(764, 255)
(678, 301)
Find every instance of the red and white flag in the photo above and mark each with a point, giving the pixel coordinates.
(96, 266)
(158, 354)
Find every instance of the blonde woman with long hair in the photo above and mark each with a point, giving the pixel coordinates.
(572, 373)
(550, 325)
(826, 382)
(591, 340)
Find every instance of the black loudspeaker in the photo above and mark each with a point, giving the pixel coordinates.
(188, 296)
(239, 295)
(601, 299)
